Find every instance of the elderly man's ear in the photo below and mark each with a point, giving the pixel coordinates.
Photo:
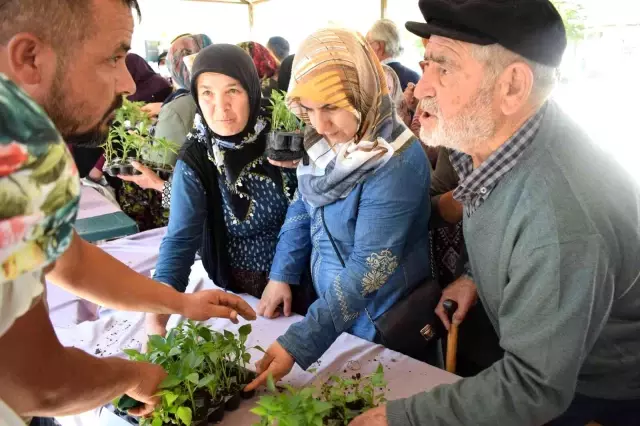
(516, 86)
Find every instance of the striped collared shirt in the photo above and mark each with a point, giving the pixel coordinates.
(476, 184)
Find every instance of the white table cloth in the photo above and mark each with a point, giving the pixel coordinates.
(115, 331)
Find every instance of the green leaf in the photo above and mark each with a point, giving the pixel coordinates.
(246, 357)
(185, 415)
(271, 386)
(259, 411)
(133, 354)
(260, 349)
(157, 422)
(205, 333)
(193, 378)
(169, 382)
(157, 342)
(245, 330)
(170, 398)
(229, 335)
(174, 351)
(206, 380)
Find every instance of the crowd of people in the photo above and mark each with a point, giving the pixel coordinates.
(468, 177)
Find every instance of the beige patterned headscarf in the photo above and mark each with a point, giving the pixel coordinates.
(337, 67)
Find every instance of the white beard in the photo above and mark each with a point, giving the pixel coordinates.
(472, 126)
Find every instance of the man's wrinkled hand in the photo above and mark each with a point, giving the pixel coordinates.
(202, 305)
(464, 292)
(276, 362)
(374, 417)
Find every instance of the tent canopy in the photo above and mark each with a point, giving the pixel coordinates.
(251, 3)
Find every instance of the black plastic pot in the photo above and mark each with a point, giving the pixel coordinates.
(285, 146)
(203, 404)
(163, 174)
(112, 170)
(216, 414)
(357, 405)
(233, 403)
(250, 376)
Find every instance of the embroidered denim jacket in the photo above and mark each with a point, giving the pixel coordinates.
(381, 232)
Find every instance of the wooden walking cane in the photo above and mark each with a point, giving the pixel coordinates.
(450, 307)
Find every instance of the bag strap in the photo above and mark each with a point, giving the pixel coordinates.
(333, 242)
(335, 248)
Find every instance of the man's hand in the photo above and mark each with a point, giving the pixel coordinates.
(285, 164)
(274, 294)
(202, 305)
(464, 291)
(374, 417)
(149, 378)
(147, 180)
(276, 362)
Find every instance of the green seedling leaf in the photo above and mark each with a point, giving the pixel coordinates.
(259, 411)
(126, 403)
(271, 386)
(174, 351)
(170, 398)
(193, 378)
(185, 415)
(206, 380)
(170, 382)
(245, 330)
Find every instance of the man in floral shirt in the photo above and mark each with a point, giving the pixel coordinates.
(68, 57)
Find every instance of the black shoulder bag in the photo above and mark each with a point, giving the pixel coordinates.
(411, 326)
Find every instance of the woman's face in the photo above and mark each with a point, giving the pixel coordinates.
(336, 125)
(224, 103)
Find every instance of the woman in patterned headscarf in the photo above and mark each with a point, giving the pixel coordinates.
(224, 185)
(266, 64)
(362, 210)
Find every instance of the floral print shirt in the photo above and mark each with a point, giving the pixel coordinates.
(39, 194)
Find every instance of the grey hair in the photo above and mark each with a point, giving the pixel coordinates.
(387, 31)
(497, 58)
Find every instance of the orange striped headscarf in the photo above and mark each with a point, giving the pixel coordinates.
(337, 67)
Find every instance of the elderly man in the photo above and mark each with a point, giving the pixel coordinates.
(384, 39)
(554, 245)
(68, 57)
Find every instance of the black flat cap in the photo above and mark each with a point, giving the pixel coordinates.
(531, 28)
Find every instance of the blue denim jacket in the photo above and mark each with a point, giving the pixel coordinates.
(251, 243)
(382, 233)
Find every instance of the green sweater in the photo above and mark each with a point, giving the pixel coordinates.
(555, 252)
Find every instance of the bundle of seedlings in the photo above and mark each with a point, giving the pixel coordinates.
(285, 141)
(206, 374)
(334, 403)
